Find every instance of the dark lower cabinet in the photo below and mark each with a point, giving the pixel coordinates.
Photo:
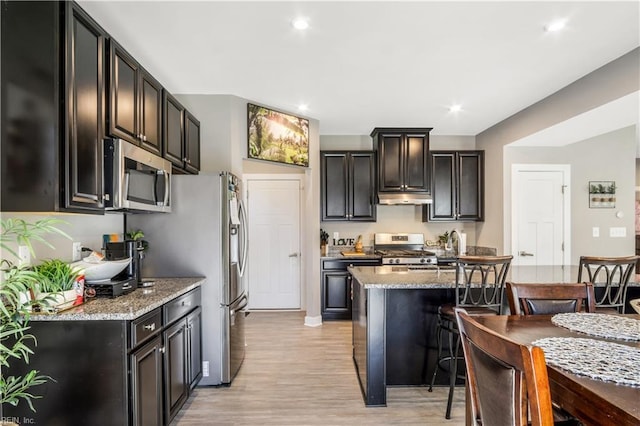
(194, 347)
(115, 372)
(336, 287)
(175, 368)
(457, 187)
(146, 384)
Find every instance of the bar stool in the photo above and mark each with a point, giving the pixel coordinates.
(479, 289)
(614, 273)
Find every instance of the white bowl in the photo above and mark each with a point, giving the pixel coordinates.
(103, 270)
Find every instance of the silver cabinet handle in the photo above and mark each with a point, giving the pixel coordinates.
(162, 349)
(293, 255)
(150, 327)
(524, 253)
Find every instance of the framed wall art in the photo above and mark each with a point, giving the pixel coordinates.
(277, 136)
(602, 194)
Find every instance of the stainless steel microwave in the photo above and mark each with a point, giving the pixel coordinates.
(135, 179)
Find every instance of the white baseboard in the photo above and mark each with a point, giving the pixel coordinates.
(313, 321)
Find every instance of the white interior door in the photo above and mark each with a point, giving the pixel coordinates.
(274, 244)
(540, 215)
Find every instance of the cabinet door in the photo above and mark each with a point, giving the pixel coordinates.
(194, 346)
(362, 187)
(336, 295)
(173, 131)
(334, 192)
(416, 165)
(458, 187)
(175, 369)
(443, 206)
(123, 120)
(470, 196)
(192, 143)
(85, 118)
(150, 113)
(391, 162)
(146, 384)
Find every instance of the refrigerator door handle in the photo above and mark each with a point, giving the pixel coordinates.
(240, 306)
(245, 239)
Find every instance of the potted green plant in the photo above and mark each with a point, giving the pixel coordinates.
(324, 241)
(16, 344)
(57, 283)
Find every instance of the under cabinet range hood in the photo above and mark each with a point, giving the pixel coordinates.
(404, 198)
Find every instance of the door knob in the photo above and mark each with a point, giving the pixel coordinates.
(524, 253)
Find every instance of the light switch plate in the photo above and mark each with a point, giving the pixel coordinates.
(595, 231)
(618, 232)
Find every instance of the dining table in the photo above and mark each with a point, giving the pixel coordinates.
(592, 401)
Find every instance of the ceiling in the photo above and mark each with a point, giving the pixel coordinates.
(362, 65)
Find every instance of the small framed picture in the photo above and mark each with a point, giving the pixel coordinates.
(602, 194)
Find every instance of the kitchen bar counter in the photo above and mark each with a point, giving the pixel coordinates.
(399, 277)
(127, 307)
(394, 316)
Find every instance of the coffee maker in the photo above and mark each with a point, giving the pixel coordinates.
(128, 249)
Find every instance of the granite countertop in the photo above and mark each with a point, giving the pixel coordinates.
(127, 307)
(399, 277)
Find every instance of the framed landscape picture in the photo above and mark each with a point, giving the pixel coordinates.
(277, 136)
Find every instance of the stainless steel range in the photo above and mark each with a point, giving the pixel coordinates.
(403, 249)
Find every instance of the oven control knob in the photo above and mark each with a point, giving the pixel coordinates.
(423, 260)
(397, 260)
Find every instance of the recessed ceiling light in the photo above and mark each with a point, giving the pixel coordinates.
(300, 23)
(303, 107)
(455, 108)
(555, 26)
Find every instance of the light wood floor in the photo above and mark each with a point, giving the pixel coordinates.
(297, 375)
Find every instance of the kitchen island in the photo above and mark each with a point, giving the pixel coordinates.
(132, 359)
(395, 315)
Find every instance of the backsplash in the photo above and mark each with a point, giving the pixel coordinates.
(86, 229)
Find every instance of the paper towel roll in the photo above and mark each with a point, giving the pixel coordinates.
(462, 244)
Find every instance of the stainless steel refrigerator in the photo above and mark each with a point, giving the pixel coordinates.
(205, 235)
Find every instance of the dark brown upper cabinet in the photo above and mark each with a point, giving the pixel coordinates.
(181, 135)
(173, 131)
(53, 108)
(191, 143)
(402, 159)
(348, 186)
(136, 101)
(457, 187)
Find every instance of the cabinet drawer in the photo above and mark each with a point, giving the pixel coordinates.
(342, 265)
(181, 306)
(145, 327)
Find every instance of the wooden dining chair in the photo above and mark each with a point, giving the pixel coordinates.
(507, 381)
(479, 289)
(545, 299)
(613, 273)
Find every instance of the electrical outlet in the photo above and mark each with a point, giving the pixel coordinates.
(595, 231)
(76, 251)
(205, 368)
(24, 255)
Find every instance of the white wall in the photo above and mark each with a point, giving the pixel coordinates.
(87, 229)
(608, 83)
(586, 159)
